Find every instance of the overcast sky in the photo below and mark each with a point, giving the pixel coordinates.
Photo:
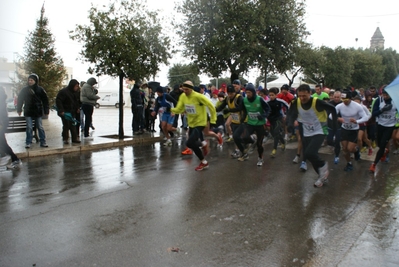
(331, 23)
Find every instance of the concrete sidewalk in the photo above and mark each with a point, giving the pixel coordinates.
(105, 136)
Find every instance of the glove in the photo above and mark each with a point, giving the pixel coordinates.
(260, 117)
(386, 107)
(226, 111)
(95, 91)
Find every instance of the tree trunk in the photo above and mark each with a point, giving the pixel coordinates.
(121, 106)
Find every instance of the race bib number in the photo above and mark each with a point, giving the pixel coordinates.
(235, 116)
(308, 127)
(348, 126)
(386, 116)
(253, 115)
(190, 109)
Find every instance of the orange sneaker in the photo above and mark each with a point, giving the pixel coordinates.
(220, 139)
(372, 168)
(384, 156)
(187, 152)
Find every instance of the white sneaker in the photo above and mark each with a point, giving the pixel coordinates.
(304, 166)
(260, 162)
(323, 174)
(14, 165)
(168, 143)
(296, 159)
(88, 138)
(5, 160)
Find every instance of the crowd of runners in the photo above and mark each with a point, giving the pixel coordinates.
(350, 121)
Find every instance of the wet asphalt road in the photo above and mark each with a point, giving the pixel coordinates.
(146, 206)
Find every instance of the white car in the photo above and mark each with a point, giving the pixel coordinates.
(10, 105)
(109, 100)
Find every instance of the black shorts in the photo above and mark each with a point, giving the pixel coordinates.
(349, 135)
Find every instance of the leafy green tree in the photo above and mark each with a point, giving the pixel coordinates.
(238, 35)
(179, 73)
(40, 57)
(390, 59)
(338, 67)
(368, 68)
(226, 80)
(124, 41)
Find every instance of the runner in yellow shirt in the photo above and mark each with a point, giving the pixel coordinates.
(194, 105)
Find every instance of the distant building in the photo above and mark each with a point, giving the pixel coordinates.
(377, 41)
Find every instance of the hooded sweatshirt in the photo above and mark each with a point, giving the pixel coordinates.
(87, 93)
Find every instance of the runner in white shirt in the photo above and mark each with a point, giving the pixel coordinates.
(350, 114)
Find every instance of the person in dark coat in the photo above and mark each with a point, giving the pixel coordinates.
(137, 108)
(176, 94)
(33, 98)
(67, 102)
(4, 147)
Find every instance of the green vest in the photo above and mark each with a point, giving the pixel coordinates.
(254, 109)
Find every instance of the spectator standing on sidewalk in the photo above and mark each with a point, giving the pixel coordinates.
(88, 97)
(137, 109)
(67, 102)
(4, 147)
(35, 102)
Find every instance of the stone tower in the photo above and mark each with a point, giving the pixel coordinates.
(377, 41)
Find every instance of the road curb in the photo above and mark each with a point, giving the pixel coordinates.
(86, 147)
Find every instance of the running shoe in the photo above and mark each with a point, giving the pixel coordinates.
(168, 143)
(372, 168)
(348, 167)
(387, 159)
(202, 166)
(27, 146)
(296, 159)
(336, 160)
(229, 139)
(205, 148)
(282, 147)
(384, 156)
(273, 154)
(364, 149)
(187, 151)
(235, 154)
(14, 165)
(357, 154)
(260, 162)
(370, 152)
(304, 166)
(220, 139)
(323, 174)
(374, 144)
(251, 147)
(243, 157)
(43, 145)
